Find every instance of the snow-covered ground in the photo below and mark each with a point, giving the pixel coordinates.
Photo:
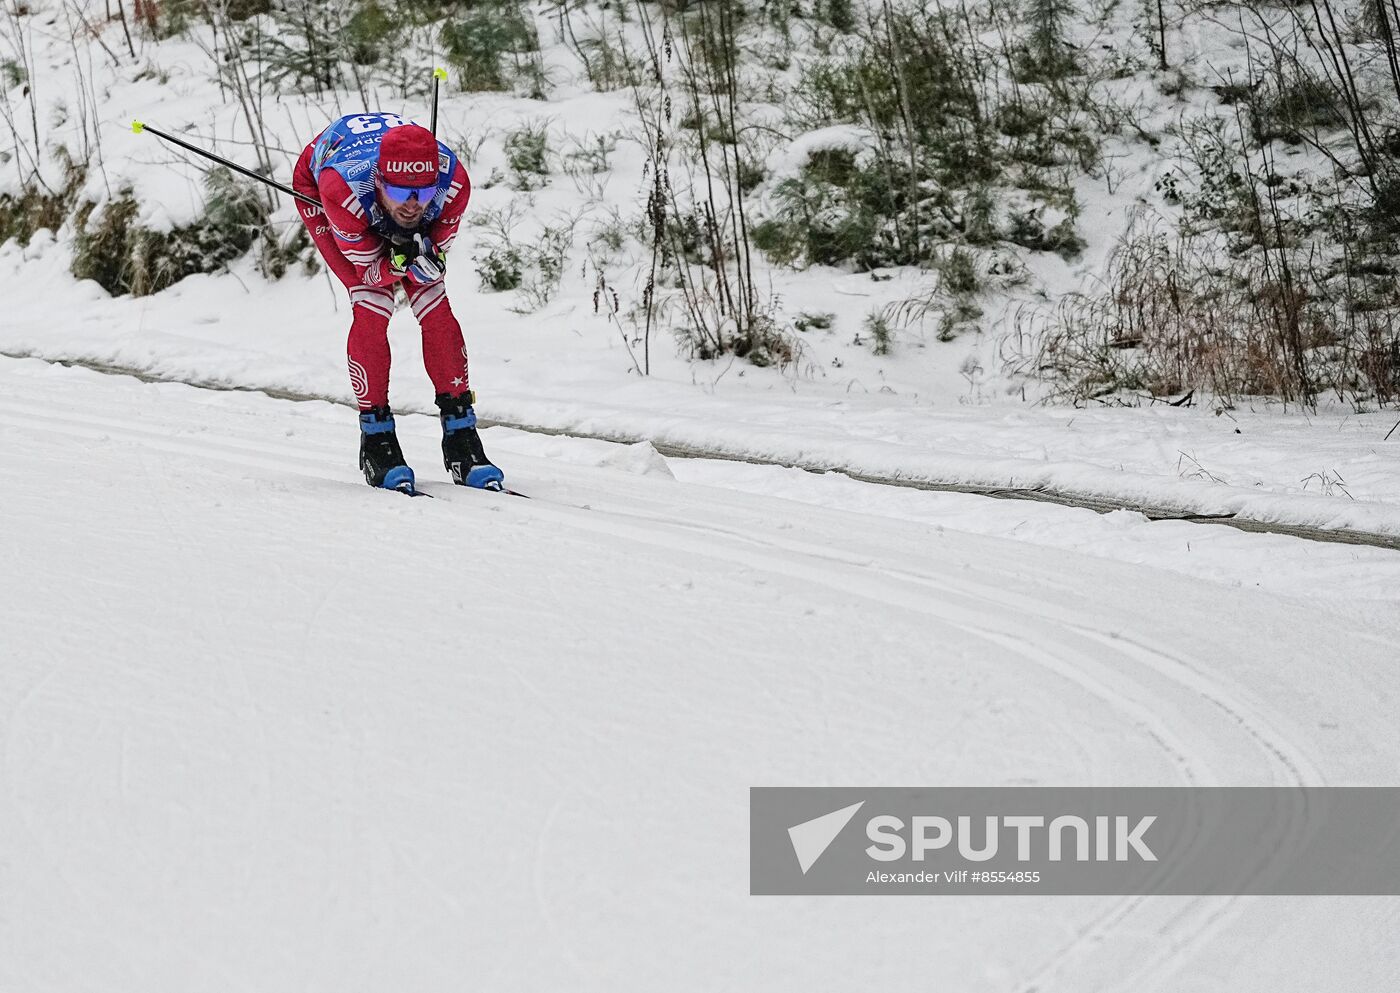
(267, 729)
(262, 728)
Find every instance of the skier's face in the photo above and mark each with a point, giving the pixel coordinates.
(406, 214)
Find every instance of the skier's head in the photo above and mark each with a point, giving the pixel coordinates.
(408, 172)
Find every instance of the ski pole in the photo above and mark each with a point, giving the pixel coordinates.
(439, 75)
(138, 127)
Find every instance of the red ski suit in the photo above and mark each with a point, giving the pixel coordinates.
(359, 257)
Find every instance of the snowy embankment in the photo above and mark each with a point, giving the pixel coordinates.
(1335, 470)
(268, 729)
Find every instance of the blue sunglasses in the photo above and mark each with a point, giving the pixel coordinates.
(403, 194)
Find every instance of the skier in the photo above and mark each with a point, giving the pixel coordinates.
(392, 196)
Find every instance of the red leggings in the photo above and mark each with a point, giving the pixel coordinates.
(444, 352)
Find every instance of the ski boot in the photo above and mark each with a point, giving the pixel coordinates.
(462, 454)
(381, 459)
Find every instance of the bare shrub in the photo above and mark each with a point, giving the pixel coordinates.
(1178, 316)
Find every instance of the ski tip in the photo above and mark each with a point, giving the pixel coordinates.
(498, 486)
(137, 127)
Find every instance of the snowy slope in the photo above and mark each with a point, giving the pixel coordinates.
(266, 729)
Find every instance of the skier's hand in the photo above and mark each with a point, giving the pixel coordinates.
(427, 264)
(426, 246)
(426, 269)
(402, 254)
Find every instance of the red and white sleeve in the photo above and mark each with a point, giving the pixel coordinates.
(364, 249)
(444, 230)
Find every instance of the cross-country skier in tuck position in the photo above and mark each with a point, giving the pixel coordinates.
(392, 196)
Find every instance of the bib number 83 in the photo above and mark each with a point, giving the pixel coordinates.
(368, 124)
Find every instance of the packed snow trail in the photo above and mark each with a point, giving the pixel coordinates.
(1100, 493)
(265, 728)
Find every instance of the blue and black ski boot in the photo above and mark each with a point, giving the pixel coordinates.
(381, 459)
(462, 454)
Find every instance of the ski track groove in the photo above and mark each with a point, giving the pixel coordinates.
(1295, 831)
(539, 890)
(253, 454)
(1204, 916)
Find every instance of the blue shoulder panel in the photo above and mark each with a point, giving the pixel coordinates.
(350, 146)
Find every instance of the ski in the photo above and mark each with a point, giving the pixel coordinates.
(498, 488)
(408, 488)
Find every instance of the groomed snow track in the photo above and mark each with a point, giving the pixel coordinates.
(1064, 498)
(267, 729)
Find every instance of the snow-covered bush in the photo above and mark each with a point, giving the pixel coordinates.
(1182, 318)
(1044, 55)
(919, 134)
(493, 45)
(532, 263)
(958, 269)
(1292, 104)
(527, 154)
(500, 268)
(32, 210)
(877, 326)
(1041, 220)
(38, 205)
(113, 249)
(833, 212)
